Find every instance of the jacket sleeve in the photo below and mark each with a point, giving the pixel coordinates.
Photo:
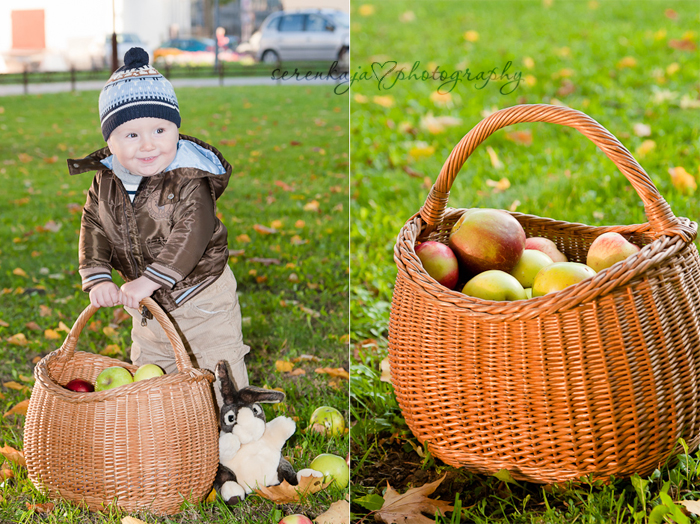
(194, 221)
(94, 250)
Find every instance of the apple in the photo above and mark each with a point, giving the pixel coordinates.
(608, 249)
(486, 239)
(147, 371)
(558, 276)
(529, 265)
(113, 377)
(528, 292)
(80, 385)
(494, 285)
(334, 467)
(328, 421)
(296, 519)
(547, 247)
(440, 262)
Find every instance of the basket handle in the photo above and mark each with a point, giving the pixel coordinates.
(182, 358)
(661, 218)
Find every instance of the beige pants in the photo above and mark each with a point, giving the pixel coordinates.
(210, 327)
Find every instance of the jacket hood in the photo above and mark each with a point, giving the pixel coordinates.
(194, 159)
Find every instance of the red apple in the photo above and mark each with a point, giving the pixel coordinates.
(80, 385)
(296, 519)
(486, 239)
(608, 249)
(547, 247)
(440, 262)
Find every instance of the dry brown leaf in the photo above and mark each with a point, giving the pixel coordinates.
(19, 409)
(25, 378)
(134, 520)
(264, 230)
(44, 311)
(13, 455)
(41, 508)
(409, 507)
(682, 180)
(521, 137)
(298, 371)
(682, 45)
(334, 372)
(15, 385)
(386, 370)
(309, 311)
(693, 506)
(4, 324)
(285, 493)
(119, 316)
(283, 366)
(283, 185)
(112, 350)
(338, 513)
(495, 161)
(312, 206)
(243, 239)
(62, 327)
(498, 186)
(51, 334)
(32, 326)
(306, 358)
(266, 261)
(19, 272)
(6, 473)
(18, 339)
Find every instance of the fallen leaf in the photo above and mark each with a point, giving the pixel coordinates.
(366, 10)
(441, 99)
(4, 324)
(293, 277)
(471, 36)
(408, 16)
(13, 455)
(6, 473)
(24, 157)
(409, 507)
(112, 350)
(306, 358)
(334, 372)
(297, 372)
(18, 339)
(266, 261)
(628, 61)
(261, 279)
(14, 385)
(384, 101)
(498, 186)
(309, 311)
(645, 148)
(276, 224)
(19, 272)
(41, 508)
(35, 360)
(25, 378)
(264, 230)
(243, 239)
(32, 326)
(520, 137)
(338, 513)
(682, 180)
(495, 162)
(421, 150)
(44, 311)
(109, 331)
(52, 226)
(19, 409)
(283, 366)
(641, 129)
(312, 206)
(285, 493)
(438, 124)
(693, 506)
(670, 13)
(62, 327)
(386, 370)
(682, 45)
(51, 334)
(296, 240)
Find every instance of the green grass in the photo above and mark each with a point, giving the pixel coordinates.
(288, 148)
(573, 53)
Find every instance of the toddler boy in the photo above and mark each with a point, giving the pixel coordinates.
(151, 215)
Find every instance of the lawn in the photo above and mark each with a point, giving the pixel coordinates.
(286, 211)
(632, 66)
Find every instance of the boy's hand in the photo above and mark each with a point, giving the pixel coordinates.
(105, 294)
(136, 290)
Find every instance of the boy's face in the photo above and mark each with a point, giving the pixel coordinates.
(144, 146)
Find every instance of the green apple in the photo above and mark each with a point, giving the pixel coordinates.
(529, 265)
(327, 420)
(528, 292)
(333, 467)
(147, 371)
(608, 249)
(558, 276)
(112, 378)
(494, 285)
(547, 247)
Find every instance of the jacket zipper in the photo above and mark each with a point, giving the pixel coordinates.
(144, 310)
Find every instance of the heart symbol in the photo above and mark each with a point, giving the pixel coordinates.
(393, 64)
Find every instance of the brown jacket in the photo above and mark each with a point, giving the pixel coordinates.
(170, 233)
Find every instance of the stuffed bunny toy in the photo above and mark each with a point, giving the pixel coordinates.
(250, 451)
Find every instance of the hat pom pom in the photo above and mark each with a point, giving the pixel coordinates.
(135, 58)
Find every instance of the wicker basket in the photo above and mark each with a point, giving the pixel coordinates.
(146, 445)
(600, 378)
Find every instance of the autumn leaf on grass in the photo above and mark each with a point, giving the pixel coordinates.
(520, 137)
(109, 331)
(19, 272)
(641, 129)
(421, 150)
(13, 455)
(338, 513)
(645, 148)
(51, 334)
(386, 370)
(498, 186)
(18, 339)
(384, 101)
(334, 372)
(6, 473)
(264, 230)
(438, 124)
(495, 162)
(682, 180)
(628, 61)
(243, 239)
(62, 327)
(41, 508)
(15, 385)
(306, 358)
(19, 409)
(134, 520)
(409, 507)
(283, 366)
(285, 493)
(309, 311)
(693, 506)
(112, 350)
(312, 206)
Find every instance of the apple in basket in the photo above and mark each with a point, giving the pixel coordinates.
(440, 262)
(547, 247)
(113, 377)
(486, 239)
(296, 519)
(148, 371)
(333, 468)
(559, 276)
(80, 385)
(608, 249)
(494, 285)
(529, 265)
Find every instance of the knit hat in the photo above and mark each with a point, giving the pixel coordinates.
(136, 90)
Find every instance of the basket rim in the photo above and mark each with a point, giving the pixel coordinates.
(618, 275)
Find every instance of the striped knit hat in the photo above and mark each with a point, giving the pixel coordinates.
(136, 90)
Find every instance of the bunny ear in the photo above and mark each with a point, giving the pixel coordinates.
(228, 389)
(251, 395)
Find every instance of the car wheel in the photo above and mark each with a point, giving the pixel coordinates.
(270, 57)
(344, 59)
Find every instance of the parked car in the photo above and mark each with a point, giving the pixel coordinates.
(103, 57)
(190, 51)
(305, 34)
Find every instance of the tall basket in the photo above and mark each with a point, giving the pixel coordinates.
(601, 378)
(147, 445)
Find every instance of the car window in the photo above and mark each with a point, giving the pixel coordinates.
(316, 23)
(274, 24)
(292, 23)
(341, 19)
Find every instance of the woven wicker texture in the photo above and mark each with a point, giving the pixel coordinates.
(600, 378)
(146, 445)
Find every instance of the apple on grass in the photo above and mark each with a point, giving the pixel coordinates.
(333, 468)
(558, 276)
(148, 371)
(494, 285)
(608, 249)
(80, 385)
(113, 377)
(296, 519)
(327, 421)
(547, 247)
(529, 265)
(440, 262)
(485, 239)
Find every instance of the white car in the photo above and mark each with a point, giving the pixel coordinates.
(306, 34)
